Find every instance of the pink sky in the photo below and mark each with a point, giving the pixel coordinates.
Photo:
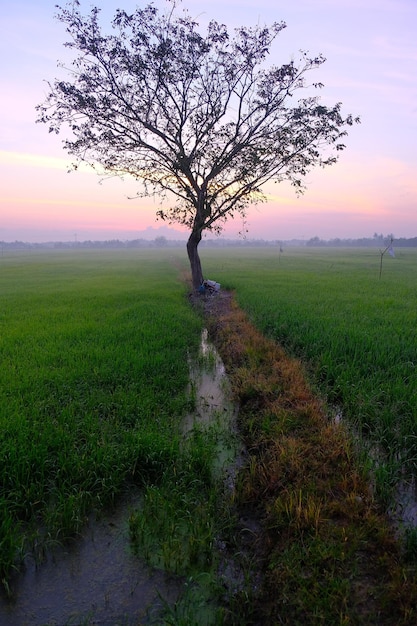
(371, 67)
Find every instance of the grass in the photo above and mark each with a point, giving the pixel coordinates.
(175, 529)
(355, 332)
(182, 515)
(326, 549)
(93, 386)
(93, 393)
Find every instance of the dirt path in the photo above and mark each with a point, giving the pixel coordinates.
(326, 553)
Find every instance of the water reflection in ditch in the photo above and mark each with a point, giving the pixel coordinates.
(98, 579)
(214, 409)
(404, 511)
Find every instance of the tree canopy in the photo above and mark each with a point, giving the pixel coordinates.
(197, 116)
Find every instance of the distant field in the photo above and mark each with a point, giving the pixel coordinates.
(356, 332)
(93, 379)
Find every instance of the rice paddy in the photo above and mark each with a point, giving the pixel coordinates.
(94, 390)
(93, 387)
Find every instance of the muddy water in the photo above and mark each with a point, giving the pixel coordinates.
(214, 408)
(98, 580)
(404, 512)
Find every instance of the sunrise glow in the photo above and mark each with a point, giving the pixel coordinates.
(370, 68)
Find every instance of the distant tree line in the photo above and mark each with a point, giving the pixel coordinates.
(158, 242)
(377, 241)
(365, 242)
(107, 244)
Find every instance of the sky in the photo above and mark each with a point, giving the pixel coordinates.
(371, 68)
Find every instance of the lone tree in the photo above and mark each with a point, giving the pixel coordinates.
(194, 116)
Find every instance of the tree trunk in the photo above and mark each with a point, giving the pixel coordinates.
(195, 263)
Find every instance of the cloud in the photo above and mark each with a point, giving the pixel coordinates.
(37, 160)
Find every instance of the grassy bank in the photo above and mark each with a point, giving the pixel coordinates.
(325, 549)
(355, 331)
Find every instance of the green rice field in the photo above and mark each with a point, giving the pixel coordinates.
(93, 380)
(94, 348)
(355, 331)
